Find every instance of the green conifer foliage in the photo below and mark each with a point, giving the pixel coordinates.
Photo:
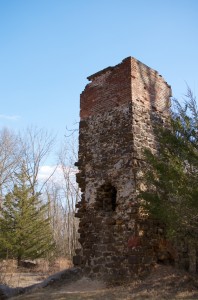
(25, 231)
(171, 178)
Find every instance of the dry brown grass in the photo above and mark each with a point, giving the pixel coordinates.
(8, 268)
(52, 266)
(14, 276)
(164, 282)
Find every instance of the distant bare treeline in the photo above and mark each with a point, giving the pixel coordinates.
(32, 149)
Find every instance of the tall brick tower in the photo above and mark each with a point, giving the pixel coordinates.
(117, 109)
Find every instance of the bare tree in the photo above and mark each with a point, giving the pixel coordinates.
(10, 155)
(62, 196)
(57, 216)
(71, 191)
(36, 146)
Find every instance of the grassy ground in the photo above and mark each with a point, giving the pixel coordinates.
(14, 276)
(164, 282)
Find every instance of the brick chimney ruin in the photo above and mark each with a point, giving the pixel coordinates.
(116, 112)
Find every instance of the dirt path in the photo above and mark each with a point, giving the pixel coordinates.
(164, 282)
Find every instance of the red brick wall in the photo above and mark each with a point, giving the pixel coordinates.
(128, 81)
(109, 88)
(149, 89)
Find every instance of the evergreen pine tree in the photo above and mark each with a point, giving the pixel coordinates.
(25, 231)
(171, 175)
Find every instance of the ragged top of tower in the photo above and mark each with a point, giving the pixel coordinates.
(129, 81)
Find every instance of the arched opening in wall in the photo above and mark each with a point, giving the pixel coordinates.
(106, 199)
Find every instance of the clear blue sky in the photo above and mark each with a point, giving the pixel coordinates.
(49, 47)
